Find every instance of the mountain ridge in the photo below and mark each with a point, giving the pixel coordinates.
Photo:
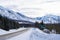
(49, 18)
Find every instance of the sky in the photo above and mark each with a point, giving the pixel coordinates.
(33, 8)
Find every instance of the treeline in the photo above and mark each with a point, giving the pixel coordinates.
(6, 23)
(40, 25)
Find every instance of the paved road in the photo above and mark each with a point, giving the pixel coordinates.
(10, 35)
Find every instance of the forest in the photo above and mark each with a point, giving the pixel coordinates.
(6, 23)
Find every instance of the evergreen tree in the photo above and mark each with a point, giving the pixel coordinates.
(36, 24)
(41, 26)
(6, 23)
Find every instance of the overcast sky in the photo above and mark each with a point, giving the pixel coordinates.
(33, 8)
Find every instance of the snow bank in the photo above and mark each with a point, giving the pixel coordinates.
(36, 34)
(2, 32)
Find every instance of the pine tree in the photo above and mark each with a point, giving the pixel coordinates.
(36, 24)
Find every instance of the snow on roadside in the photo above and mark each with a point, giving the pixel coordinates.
(35, 34)
(2, 32)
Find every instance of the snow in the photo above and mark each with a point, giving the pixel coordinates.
(19, 16)
(2, 32)
(14, 15)
(49, 18)
(36, 34)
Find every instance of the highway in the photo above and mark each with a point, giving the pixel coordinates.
(10, 35)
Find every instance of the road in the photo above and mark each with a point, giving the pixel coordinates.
(10, 35)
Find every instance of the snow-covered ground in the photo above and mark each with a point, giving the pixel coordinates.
(34, 34)
(2, 32)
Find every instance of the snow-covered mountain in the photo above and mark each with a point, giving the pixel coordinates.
(18, 16)
(14, 15)
(49, 19)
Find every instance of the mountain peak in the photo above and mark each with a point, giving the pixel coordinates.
(49, 18)
(49, 15)
(14, 15)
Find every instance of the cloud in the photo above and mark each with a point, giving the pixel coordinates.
(33, 8)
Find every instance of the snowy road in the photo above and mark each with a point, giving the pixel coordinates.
(30, 34)
(10, 35)
(36, 34)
